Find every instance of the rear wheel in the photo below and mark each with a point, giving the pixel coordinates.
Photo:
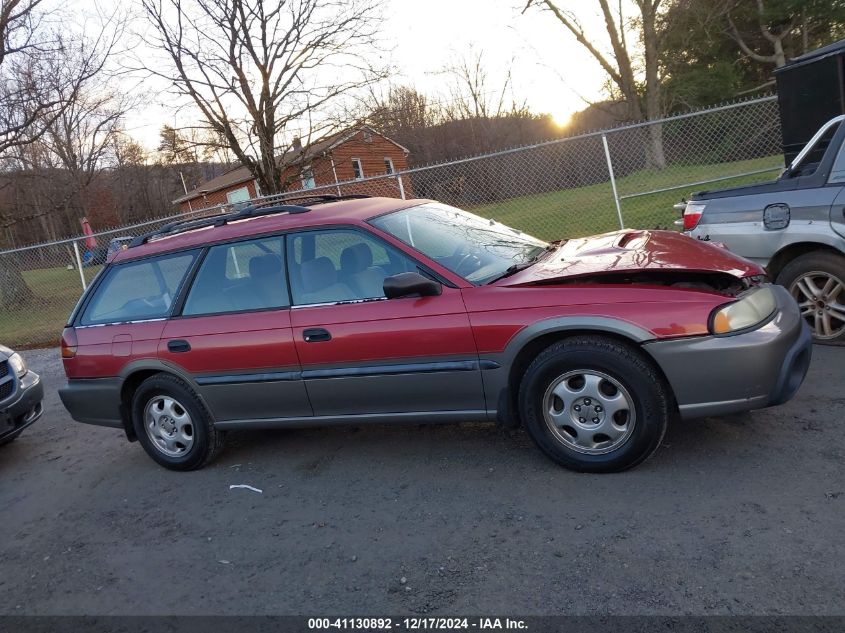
(172, 424)
(594, 404)
(817, 282)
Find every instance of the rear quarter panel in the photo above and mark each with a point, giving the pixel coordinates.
(737, 221)
(103, 350)
(837, 219)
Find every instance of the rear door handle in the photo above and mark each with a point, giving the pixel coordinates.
(178, 345)
(316, 335)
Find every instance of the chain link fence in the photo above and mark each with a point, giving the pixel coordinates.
(629, 177)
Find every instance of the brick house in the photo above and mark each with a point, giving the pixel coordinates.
(347, 157)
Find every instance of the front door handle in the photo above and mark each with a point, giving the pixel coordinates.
(316, 335)
(178, 345)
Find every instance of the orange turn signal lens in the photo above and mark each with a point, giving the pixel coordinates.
(721, 323)
(69, 343)
(750, 310)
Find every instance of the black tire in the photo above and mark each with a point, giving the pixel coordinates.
(816, 261)
(623, 363)
(206, 440)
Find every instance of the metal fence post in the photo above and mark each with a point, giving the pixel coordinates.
(612, 180)
(401, 187)
(79, 265)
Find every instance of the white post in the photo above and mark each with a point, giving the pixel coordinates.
(79, 265)
(185, 187)
(334, 171)
(401, 187)
(612, 180)
(235, 262)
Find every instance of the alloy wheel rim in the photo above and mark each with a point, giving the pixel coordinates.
(589, 411)
(169, 426)
(819, 295)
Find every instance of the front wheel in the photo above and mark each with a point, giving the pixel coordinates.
(594, 404)
(172, 424)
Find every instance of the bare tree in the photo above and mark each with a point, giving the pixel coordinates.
(651, 40)
(23, 105)
(37, 85)
(258, 70)
(472, 93)
(774, 32)
(619, 65)
(192, 145)
(77, 144)
(83, 139)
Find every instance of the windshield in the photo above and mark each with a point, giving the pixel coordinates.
(477, 249)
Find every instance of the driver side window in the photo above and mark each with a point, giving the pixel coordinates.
(340, 265)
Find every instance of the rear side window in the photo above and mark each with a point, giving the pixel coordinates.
(811, 161)
(138, 290)
(837, 174)
(238, 277)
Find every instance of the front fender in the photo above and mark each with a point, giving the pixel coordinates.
(523, 346)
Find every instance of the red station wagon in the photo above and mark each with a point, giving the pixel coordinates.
(387, 311)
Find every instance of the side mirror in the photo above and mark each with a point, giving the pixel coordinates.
(407, 284)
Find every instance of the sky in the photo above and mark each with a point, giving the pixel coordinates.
(550, 71)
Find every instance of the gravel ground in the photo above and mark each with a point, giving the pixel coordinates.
(739, 515)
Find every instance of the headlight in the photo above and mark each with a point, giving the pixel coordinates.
(753, 308)
(17, 363)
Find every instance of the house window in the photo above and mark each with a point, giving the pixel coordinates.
(237, 195)
(308, 181)
(388, 165)
(357, 168)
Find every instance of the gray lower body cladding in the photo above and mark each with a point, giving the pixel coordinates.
(718, 375)
(93, 401)
(431, 391)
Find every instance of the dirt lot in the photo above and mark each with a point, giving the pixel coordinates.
(733, 515)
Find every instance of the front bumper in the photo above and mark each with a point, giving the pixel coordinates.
(717, 375)
(25, 407)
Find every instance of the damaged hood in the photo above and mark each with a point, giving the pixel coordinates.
(633, 251)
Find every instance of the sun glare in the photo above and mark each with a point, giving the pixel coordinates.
(562, 119)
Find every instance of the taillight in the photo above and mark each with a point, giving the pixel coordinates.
(692, 215)
(69, 342)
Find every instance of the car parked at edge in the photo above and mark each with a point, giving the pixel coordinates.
(100, 255)
(794, 226)
(21, 393)
(390, 311)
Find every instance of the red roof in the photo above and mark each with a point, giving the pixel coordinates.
(355, 211)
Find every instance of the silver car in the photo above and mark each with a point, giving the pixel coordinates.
(21, 393)
(793, 226)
